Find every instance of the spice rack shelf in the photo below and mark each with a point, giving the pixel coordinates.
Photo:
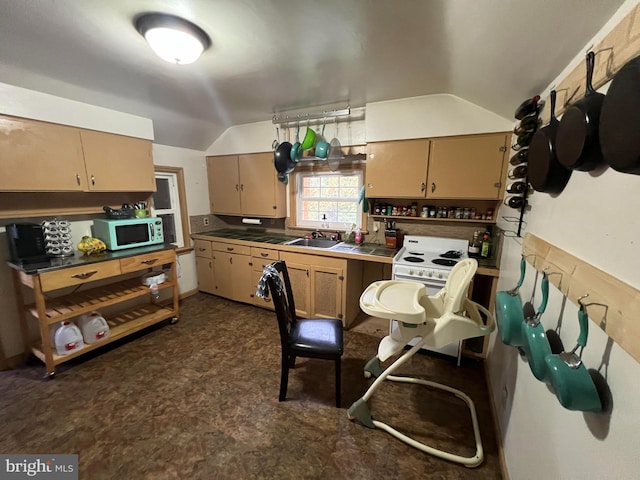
(431, 219)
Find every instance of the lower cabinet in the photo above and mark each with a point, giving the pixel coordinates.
(260, 258)
(232, 271)
(320, 286)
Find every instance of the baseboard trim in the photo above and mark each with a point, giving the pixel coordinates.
(496, 424)
(190, 293)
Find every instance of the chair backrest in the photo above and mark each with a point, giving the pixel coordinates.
(458, 284)
(282, 300)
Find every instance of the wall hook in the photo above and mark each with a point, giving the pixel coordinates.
(548, 274)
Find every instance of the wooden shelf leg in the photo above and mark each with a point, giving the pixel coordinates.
(47, 348)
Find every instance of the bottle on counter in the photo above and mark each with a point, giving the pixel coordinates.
(475, 245)
(485, 249)
(358, 238)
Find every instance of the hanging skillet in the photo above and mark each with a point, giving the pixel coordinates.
(620, 120)
(577, 140)
(282, 157)
(546, 174)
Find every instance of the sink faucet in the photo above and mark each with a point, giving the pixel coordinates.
(317, 234)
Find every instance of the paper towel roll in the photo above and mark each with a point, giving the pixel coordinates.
(252, 221)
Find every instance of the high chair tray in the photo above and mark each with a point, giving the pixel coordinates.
(395, 299)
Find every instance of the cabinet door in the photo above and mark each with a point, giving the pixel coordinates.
(467, 167)
(222, 274)
(224, 185)
(261, 194)
(241, 279)
(397, 169)
(116, 163)
(326, 292)
(204, 270)
(38, 156)
(301, 286)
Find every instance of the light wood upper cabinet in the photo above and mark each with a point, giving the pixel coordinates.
(46, 157)
(397, 168)
(39, 156)
(245, 185)
(469, 166)
(117, 163)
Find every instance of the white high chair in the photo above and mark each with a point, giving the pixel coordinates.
(436, 320)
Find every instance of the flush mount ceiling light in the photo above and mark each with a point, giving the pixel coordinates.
(174, 39)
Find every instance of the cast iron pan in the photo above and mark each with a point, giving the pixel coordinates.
(620, 120)
(527, 107)
(282, 158)
(546, 174)
(577, 140)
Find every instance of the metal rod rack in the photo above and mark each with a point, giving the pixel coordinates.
(285, 119)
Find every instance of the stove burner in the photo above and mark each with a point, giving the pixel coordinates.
(413, 259)
(416, 253)
(452, 254)
(444, 261)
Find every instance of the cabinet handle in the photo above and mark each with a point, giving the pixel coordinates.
(201, 249)
(78, 178)
(231, 260)
(230, 249)
(307, 273)
(242, 187)
(433, 187)
(503, 149)
(264, 254)
(93, 180)
(423, 187)
(85, 275)
(150, 262)
(237, 187)
(497, 184)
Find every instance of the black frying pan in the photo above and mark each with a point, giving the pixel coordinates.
(282, 158)
(620, 120)
(546, 174)
(577, 140)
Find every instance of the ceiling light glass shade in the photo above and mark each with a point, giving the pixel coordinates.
(172, 38)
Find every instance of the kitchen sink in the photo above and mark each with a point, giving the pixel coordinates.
(313, 242)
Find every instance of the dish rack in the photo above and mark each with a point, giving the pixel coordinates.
(116, 213)
(57, 238)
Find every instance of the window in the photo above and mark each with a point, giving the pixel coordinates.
(334, 195)
(169, 204)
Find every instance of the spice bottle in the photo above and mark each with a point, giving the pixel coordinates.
(474, 245)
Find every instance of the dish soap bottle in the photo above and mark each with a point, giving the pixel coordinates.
(325, 222)
(358, 236)
(485, 251)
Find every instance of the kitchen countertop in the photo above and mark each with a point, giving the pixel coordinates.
(371, 252)
(59, 263)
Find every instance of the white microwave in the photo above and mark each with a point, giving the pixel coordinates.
(118, 234)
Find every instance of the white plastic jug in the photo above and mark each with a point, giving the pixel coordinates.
(94, 327)
(68, 338)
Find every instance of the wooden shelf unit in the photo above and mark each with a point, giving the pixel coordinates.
(52, 305)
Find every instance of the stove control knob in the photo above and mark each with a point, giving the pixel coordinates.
(411, 271)
(420, 272)
(429, 274)
(439, 275)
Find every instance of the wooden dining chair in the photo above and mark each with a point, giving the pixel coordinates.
(308, 338)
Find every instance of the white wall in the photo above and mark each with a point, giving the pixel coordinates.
(594, 218)
(194, 168)
(417, 117)
(430, 116)
(21, 102)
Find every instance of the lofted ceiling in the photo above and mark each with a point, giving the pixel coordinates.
(268, 56)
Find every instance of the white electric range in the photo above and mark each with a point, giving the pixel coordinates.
(429, 260)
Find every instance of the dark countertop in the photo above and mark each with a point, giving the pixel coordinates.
(59, 263)
(372, 252)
